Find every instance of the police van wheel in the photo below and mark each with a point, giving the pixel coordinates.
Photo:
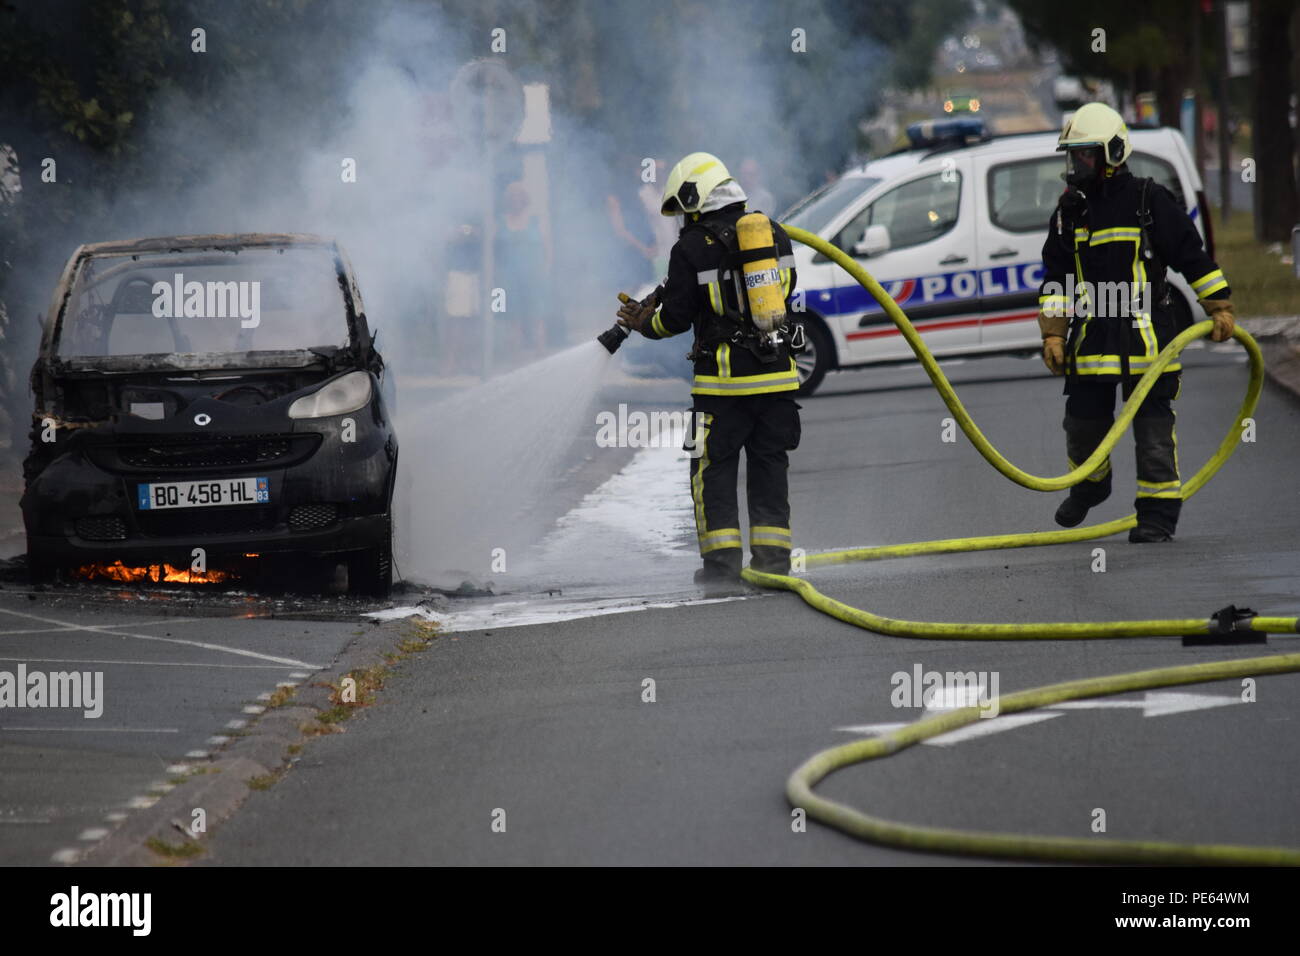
(812, 363)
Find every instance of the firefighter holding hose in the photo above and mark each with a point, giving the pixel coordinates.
(730, 278)
(1113, 230)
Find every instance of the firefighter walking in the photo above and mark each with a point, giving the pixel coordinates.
(1112, 231)
(730, 278)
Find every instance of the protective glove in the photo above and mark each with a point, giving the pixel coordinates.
(1225, 320)
(1054, 354)
(636, 315)
(1054, 328)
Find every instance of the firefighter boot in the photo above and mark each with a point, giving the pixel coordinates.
(1082, 436)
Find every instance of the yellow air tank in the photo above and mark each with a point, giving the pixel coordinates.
(762, 280)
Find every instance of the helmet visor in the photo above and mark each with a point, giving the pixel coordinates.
(1083, 164)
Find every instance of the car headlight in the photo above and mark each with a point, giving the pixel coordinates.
(346, 393)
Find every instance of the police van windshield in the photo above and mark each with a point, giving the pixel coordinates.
(204, 301)
(815, 212)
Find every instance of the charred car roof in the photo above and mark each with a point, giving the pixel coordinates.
(230, 240)
(356, 352)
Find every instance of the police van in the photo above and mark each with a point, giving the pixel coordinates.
(953, 228)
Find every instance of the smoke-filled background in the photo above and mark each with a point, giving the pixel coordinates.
(443, 144)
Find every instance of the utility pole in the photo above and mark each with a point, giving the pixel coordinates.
(1225, 138)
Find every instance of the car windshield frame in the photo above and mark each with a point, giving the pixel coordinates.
(346, 338)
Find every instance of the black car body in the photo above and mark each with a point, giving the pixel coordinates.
(220, 393)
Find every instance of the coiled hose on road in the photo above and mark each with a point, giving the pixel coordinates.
(799, 787)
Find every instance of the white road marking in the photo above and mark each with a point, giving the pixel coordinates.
(871, 730)
(90, 660)
(952, 698)
(65, 856)
(115, 817)
(94, 833)
(981, 728)
(1155, 703)
(254, 709)
(179, 768)
(109, 629)
(218, 741)
(237, 725)
(141, 803)
(73, 627)
(100, 730)
(197, 754)
(991, 725)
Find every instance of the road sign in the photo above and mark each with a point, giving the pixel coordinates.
(488, 102)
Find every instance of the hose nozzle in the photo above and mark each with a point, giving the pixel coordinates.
(613, 337)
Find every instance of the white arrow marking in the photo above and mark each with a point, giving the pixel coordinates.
(1155, 703)
(981, 728)
(871, 730)
(991, 725)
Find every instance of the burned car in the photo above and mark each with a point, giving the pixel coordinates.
(206, 400)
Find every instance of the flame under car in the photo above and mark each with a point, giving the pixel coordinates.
(209, 398)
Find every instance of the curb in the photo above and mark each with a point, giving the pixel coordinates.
(1279, 340)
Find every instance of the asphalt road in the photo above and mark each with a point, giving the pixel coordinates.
(179, 676)
(545, 727)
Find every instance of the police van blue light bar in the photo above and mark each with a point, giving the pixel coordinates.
(929, 134)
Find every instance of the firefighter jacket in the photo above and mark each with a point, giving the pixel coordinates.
(1096, 249)
(698, 294)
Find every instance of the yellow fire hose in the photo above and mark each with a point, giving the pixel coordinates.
(856, 823)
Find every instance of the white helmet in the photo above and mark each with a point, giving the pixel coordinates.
(1096, 124)
(690, 182)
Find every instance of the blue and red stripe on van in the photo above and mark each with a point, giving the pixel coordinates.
(937, 301)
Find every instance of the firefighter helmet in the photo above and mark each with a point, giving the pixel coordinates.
(690, 182)
(1096, 124)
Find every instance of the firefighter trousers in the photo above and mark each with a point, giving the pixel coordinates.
(766, 426)
(1089, 413)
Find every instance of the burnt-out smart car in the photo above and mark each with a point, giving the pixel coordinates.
(209, 399)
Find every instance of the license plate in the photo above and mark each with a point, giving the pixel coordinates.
(158, 495)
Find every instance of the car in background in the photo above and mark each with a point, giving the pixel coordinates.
(953, 227)
(1068, 92)
(203, 401)
(961, 103)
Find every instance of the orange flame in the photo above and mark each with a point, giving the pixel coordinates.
(157, 573)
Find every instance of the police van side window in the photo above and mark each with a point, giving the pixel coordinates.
(1144, 164)
(914, 212)
(1022, 195)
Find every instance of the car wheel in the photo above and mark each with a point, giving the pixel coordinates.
(813, 362)
(370, 572)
